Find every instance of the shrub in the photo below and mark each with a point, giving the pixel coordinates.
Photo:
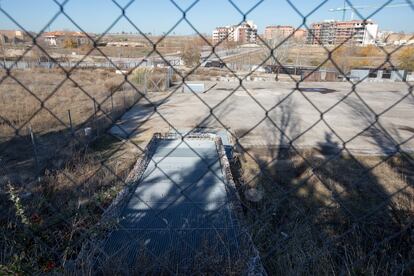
(406, 58)
(70, 43)
(361, 63)
(315, 62)
(154, 78)
(191, 54)
(367, 51)
(113, 84)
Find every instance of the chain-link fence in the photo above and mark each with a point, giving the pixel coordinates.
(290, 153)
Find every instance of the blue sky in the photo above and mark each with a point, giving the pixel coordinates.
(158, 16)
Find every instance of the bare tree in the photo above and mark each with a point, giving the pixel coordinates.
(280, 46)
(341, 59)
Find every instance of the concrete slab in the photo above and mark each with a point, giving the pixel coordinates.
(297, 114)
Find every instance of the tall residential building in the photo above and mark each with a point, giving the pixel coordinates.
(273, 32)
(243, 33)
(332, 32)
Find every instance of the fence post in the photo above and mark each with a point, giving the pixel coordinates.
(123, 92)
(32, 138)
(166, 80)
(94, 118)
(70, 122)
(145, 83)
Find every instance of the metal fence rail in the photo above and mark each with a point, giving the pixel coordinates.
(324, 208)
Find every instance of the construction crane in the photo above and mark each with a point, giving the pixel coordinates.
(363, 7)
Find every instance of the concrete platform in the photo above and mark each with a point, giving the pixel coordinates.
(346, 116)
(180, 208)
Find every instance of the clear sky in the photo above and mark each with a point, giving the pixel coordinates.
(158, 16)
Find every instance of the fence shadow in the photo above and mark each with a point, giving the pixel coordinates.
(325, 211)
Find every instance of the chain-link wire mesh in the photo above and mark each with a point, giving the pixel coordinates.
(265, 170)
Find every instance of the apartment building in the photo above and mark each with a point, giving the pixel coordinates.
(243, 33)
(330, 32)
(273, 32)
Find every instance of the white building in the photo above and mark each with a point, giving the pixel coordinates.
(246, 32)
(370, 34)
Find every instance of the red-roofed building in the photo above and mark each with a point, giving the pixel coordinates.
(58, 38)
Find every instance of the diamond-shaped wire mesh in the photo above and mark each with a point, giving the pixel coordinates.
(121, 155)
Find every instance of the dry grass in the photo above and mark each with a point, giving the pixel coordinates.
(43, 227)
(315, 55)
(340, 218)
(95, 99)
(51, 206)
(50, 203)
(208, 258)
(21, 99)
(153, 79)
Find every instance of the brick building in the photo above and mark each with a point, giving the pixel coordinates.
(273, 32)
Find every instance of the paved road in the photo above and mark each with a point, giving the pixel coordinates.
(296, 115)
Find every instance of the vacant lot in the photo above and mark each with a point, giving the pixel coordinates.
(54, 187)
(57, 110)
(320, 211)
(42, 98)
(316, 55)
(293, 115)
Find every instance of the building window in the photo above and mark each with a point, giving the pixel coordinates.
(372, 73)
(386, 74)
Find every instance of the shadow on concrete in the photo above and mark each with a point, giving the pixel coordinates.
(328, 212)
(321, 90)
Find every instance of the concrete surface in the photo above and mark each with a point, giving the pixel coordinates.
(180, 203)
(297, 115)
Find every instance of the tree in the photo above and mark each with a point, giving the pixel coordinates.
(69, 43)
(38, 55)
(280, 46)
(281, 49)
(406, 58)
(191, 54)
(341, 58)
(228, 44)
